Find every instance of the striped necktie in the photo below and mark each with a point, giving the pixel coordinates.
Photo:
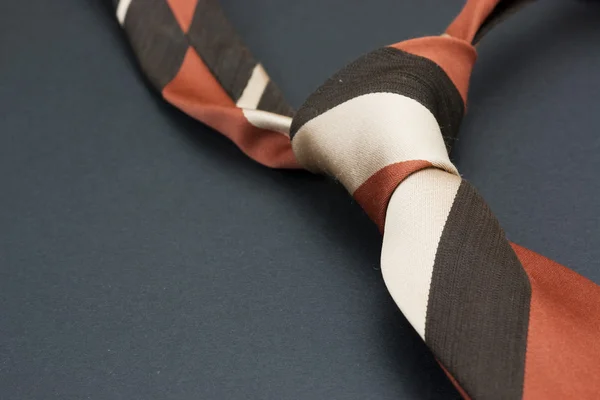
(502, 321)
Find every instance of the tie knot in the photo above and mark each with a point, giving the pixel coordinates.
(382, 117)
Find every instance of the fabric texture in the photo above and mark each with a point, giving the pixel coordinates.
(503, 322)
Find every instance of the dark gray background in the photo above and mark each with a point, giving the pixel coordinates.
(142, 256)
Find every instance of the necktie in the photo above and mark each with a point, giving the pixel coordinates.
(503, 321)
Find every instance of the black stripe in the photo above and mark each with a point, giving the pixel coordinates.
(272, 100)
(157, 40)
(501, 12)
(390, 70)
(220, 48)
(478, 309)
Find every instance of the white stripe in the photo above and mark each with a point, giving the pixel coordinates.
(254, 88)
(415, 219)
(122, 10)
(269, 121)
(357, 138)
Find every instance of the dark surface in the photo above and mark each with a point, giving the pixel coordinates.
(142, 256)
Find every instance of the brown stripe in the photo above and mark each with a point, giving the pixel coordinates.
(220, 48)
(389, 70)
(478, 308)
(272, 100)
(374, 195)
(156, 38)
(563, 347)
(196, 92)
(454, 56)
(183, 11)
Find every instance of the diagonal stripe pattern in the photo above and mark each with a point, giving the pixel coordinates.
(503, 321)
(194, 58)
